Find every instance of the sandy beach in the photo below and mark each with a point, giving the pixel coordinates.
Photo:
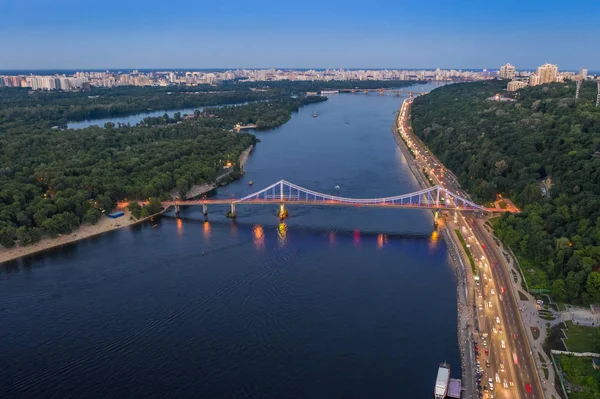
(104, 224)
(245, 155)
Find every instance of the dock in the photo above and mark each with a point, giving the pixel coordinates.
(454, 388)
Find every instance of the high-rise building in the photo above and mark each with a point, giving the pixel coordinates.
(515, 85)
(507, 71)
(547, 73)
(534, 79)
(583, 73)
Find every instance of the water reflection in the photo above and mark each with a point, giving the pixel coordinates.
(258, 237)
(381, 240)
(356, 237)
(282, 234)
(433, 239)
(206, 229)
(179, 227)
(331, 238)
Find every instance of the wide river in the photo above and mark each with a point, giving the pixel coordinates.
(336, 303)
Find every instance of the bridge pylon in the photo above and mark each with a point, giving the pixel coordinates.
(283, 213)
(232, 214)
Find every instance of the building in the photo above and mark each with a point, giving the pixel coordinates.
(583, 73)
(515, 85)
(547, 73)
(507, 72)
(534, 79)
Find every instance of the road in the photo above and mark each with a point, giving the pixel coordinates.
(512, 369)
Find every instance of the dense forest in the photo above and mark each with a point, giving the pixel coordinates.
(56, 108)
(541, 150)
(54, 179)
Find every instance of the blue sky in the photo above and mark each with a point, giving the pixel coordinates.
(72, 34)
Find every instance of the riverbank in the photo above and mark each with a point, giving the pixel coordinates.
(465, 319)
(105, 224)
(201, 189)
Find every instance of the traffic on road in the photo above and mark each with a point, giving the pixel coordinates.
(502, 345)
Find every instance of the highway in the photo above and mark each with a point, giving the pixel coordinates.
(512, 370)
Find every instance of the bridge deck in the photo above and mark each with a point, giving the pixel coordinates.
(324, 203)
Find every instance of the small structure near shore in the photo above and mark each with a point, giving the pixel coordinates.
(115, 215)
(454, 388)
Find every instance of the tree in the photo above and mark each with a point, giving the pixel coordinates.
(135, 209)
(592, 286)
(27, 236)
(559, 290)
(7, 236)
(92, 216)
(154, 206)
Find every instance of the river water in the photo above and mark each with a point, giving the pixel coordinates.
(336, 303)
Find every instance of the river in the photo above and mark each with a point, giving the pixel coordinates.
(335, 303)
(136, 118)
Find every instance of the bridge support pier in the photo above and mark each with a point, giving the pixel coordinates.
(435, 219)
(283, 213)
(205, 211)
(232, 214)
(177, 210)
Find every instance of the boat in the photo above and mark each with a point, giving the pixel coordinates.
(441, 382)
(250, 183)
(337, 187)
(315, 114)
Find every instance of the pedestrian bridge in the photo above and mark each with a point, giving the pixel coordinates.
(284, 192)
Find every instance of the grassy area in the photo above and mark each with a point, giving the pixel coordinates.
(582, 339)
(582, 380)
(502, 204)
(535, 332)
(464, 245)
(536, 277)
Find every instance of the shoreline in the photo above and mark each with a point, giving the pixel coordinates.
(465, 320)
(104, 225)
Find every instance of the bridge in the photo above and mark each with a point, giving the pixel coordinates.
(382, 90)
(284, 192)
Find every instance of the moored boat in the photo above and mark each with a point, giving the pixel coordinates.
(441, 382)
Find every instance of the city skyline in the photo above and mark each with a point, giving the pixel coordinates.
(37, 34)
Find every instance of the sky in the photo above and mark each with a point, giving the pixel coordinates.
(113, 34)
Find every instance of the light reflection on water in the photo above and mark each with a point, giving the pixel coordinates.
(206, 229)
(282, 234)
(258, 237)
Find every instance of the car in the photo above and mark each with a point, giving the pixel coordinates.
(490, 381)
(502, 367)
(499, 331)
(515, 336)
(503, 344)
(492, 292)
(502, 290)
(489, 304)
(487, 364)
(505, 384)
(515, 358)
(528, 388)
(494, 330)
(487, 352)
(497, 320)
(511, 383)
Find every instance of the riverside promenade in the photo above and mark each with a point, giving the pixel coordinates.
(465, 316)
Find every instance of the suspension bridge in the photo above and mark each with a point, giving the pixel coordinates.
(284, 192)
